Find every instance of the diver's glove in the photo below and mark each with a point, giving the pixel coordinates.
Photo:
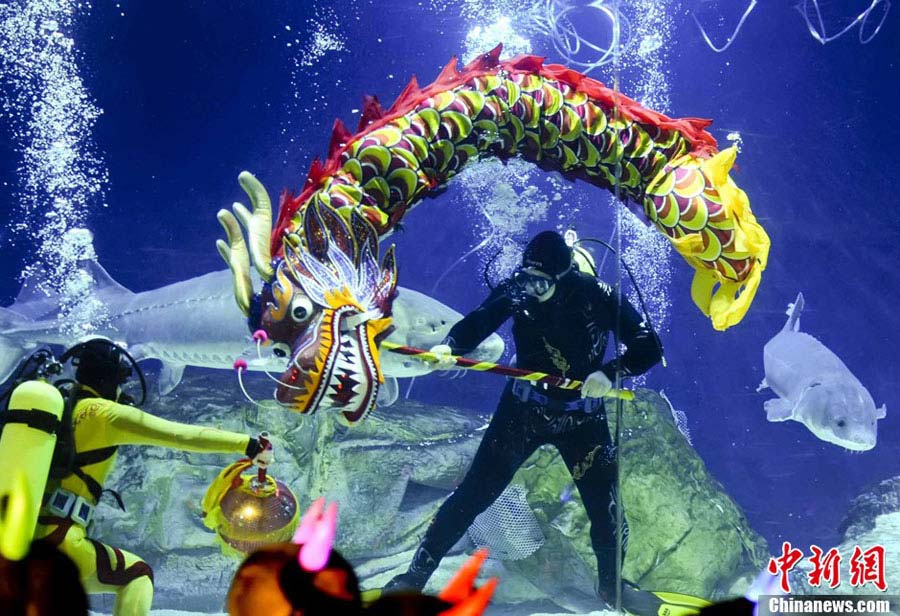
(444, 356)
(260, 450)
(596, 385)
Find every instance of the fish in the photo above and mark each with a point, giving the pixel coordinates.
(195, 322)
(814, 387)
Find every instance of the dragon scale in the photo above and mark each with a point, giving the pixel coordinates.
(560, 120)
(327, 301)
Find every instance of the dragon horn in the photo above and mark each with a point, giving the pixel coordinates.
(258, 223)
(235, 254)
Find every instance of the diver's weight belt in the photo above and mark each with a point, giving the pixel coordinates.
(66, 504)
(526, 392)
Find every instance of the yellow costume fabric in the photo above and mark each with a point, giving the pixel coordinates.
(709, 222)
(100, 424)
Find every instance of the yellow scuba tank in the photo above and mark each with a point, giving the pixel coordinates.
(584, 260)
(27, 443)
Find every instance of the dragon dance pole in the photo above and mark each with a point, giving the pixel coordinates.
(516, 373)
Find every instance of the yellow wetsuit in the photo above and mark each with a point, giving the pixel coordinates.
(100, 426)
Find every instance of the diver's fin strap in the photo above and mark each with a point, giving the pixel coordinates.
(33, 418)
(93, 456)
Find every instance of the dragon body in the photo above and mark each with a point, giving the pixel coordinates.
(559, 119)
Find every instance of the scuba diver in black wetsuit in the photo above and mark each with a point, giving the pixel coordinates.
(561, 324)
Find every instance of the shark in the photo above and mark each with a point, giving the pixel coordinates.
(195, 322)
(814, 387)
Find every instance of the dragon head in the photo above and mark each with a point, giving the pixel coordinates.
(325, 302)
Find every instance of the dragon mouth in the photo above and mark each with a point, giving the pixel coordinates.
(330, 301)
(351, 381)
(334, 368)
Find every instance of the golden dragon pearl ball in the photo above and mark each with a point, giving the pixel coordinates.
(252, 518)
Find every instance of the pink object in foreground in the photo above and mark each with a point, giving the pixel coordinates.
(316, 535)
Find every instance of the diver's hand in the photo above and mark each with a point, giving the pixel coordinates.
(596, 385)
(444, 359)
(260, 450)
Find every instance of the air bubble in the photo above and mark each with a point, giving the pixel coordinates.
(61, 175)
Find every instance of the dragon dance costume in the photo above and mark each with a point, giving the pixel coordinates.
(326, 297)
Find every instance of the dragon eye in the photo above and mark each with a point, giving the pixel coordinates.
(280, 349)
(301, 309)
(841, 423)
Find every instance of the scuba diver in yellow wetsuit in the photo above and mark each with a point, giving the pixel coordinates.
(82, 461)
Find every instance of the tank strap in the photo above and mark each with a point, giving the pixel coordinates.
(93, 456)
(33, 418)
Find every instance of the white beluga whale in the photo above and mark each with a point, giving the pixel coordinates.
(815, 388)
(196, 322)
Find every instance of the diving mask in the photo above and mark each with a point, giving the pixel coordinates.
(533, 282)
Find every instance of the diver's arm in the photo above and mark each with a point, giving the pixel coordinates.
(471, 331)
(127, 425)
(643, 348)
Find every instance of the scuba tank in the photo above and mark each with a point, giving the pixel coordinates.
(30, 424)
(581, 257)
(37, 441)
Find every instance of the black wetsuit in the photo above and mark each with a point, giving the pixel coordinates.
(566, 335)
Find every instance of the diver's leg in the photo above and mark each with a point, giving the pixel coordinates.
(126, 575)
(507, 443)
(590, 456)
(105, 569)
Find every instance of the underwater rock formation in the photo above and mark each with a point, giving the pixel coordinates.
(391, 472)
(881, 499)
(686, 533)
(872, 519)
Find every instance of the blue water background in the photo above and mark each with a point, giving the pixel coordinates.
(195, 92)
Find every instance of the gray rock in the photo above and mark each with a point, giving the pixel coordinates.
(872, 519)
(880, 499)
